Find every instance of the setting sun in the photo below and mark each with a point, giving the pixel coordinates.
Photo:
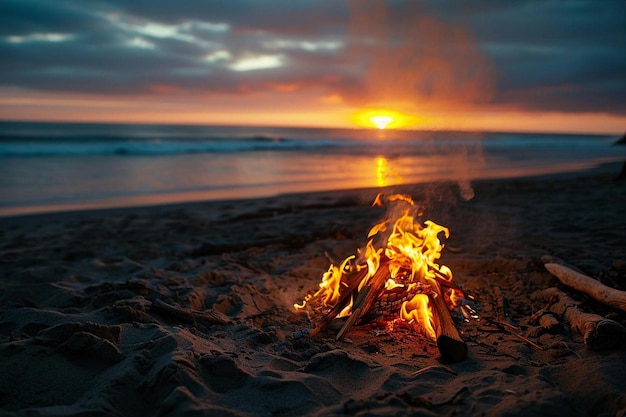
(381, 121)
(381, 118)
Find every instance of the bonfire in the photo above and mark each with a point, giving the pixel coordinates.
(396, 277)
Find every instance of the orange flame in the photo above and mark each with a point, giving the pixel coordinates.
(417, 311)
(328, 291)
(410, 250)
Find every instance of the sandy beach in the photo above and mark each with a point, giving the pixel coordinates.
(85, 327)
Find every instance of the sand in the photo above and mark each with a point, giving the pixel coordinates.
(81, 333)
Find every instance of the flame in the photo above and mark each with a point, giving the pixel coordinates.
(391, 284)
(410, 250)
(417, 311)
(328, 291)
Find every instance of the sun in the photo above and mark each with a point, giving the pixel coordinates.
(384, 119)
(381, 121)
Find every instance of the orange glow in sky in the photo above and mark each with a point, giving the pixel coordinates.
(364, 64)
(278, 110)
(387, 119)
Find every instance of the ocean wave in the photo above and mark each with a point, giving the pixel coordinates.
(115, 146)
(66, 140)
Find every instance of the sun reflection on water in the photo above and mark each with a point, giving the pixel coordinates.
(382, 168)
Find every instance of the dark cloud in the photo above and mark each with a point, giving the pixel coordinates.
(19, 17)
(554, 55)
(534, 55)
(295, 17)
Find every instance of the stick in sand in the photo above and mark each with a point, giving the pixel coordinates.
(598, 332)
(592, 287)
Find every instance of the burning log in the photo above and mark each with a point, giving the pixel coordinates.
(449, 342)
(592, 287)
(452, 348)
(395, 277)
(598, 332)
(365, 299)
(353, 282)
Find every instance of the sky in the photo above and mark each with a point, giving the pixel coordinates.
(516, 65)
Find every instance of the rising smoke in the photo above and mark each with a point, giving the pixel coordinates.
(413, 62)
(418, 64)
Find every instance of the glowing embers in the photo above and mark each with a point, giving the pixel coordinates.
(396, 277)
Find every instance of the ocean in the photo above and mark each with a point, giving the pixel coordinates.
(46, 167)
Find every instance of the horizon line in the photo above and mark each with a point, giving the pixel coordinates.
(243, 125)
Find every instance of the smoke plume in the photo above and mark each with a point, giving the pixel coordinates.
(413, 62)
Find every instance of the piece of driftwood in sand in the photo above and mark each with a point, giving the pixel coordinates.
(592, 287)
(598, 332)
(451, 347)
(548, 321)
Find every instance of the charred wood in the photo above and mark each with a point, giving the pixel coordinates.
(451, 347)
(366, 298)
(353, 279)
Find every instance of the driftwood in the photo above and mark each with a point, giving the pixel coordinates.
(592, 287)
(451, 347)
(598, 332)
(548, 321)
(365, 299)
(208, 316)
(353, 279)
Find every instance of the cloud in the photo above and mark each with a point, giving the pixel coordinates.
(23, 17)
(301, 17)
(39, 37)
(556, 56)
(432, 54)
(257, 62)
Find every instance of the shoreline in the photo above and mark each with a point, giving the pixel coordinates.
(81, 332)
(156, 202)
